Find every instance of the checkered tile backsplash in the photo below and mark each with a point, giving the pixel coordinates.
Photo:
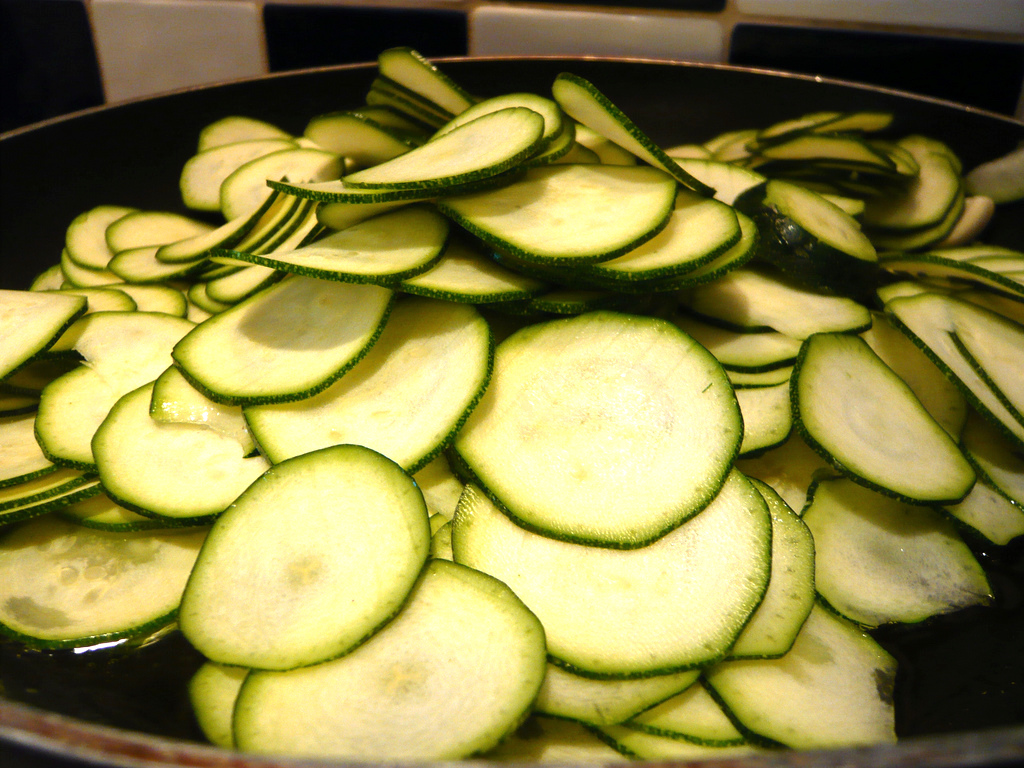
(59, 56)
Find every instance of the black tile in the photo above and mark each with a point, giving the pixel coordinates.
(979, 73)
(47, 61)
(300, 36)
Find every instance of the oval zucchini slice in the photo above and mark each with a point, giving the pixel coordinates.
(285, 343)
(602, 613)
(868, 423)
(312, 559)
(451, 675)
(622, 428)
(63, 585)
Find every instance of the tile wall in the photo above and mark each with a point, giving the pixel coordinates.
(58, 56)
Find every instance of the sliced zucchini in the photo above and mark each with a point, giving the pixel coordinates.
(212, 691)
(360, 139)
(775, 624)
(738, 350)
(552, 740)
(139, 229)
(995, 457)
(175, 401)
(999, 179)
(767, 416)
(601, 615)
(937, 393)
(481, 148)
(757, 299)
(603, 413)
(122, 351)
(586, 104)
(179, 472)
(269, 589)
(203, 173)
(698, 230)
(465, 274)
(933, 321)
(612, 210)
(554, 123)
(104, 514)
(605, 702)
(865, 421)
(693, 716)
(63, 585)
(245, 189)
(406, 398)
(382, 250)
(412, 71)
(86, 243)
(285, 343)
(235, 128)
(648, 746)
(987, 511)
(879, 560)
(32, 322)
(21, 458)
(928, 198)
(463, 650)
(833, 689)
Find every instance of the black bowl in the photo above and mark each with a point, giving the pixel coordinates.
(961, 686)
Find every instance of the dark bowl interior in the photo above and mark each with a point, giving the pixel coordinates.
(961, 685)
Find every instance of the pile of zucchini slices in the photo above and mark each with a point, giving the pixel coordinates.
(490, 427)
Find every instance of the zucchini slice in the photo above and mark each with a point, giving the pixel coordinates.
(203, 173)
(585, 103)
(21, 458)
(245, 189)
(382, 250)
(622, 428)
(235, 128)
(879, 560)
(32, 322)
(465, 274)
(122, 351)
(767, 416)
(833, 689)
(178, 472)
(405, 399)
(463, 652)
(937, 393)
(411, 70)
(356, 137)
(476, 150)
(605, 702)
(212, 692)
(775, 624)
(756, 299)
(692, 716)
(312, 559)
(601, 612)
(553, 740)
(285, 343)
(867, 422)
(85, 242)
(932, 322)
(610, 210)
(63, 585)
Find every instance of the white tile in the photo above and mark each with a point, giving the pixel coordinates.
(147, 47)
(979, 15)
(524, 32)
